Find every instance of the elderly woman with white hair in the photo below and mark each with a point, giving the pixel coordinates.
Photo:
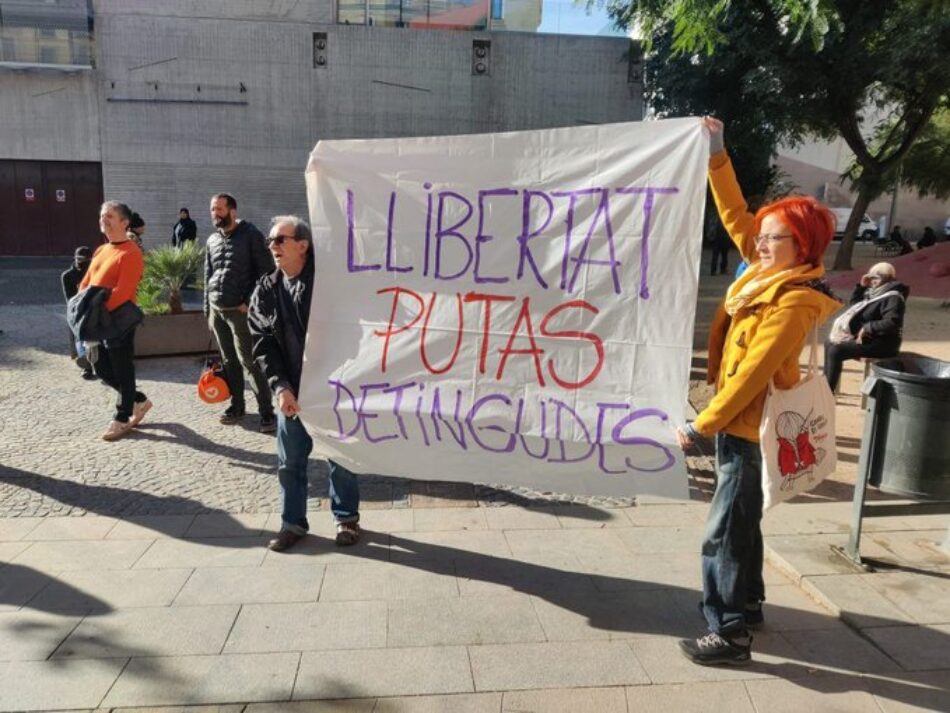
(871, 326)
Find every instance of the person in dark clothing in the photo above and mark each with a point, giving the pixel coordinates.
(235, 259)
(185, 229)
(278, 316)
(927, 239)
(871, 326)
(720, 251)
(897, 237)
(70, 280)
(137, 230)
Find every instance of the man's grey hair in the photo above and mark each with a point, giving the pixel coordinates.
(301, 228)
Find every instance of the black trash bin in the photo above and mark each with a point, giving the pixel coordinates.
(907, 427)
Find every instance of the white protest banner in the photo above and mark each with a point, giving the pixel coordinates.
(508, 308)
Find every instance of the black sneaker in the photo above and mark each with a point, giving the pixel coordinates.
(714, 650)
(754, 619)
(231, 416)
(268, 423)
(88, 375)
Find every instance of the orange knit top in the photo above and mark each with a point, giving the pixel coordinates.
(118, 266)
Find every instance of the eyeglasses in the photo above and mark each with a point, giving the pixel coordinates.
(771, 239)
(278, 239)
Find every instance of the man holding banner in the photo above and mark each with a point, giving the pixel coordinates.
(277, 318)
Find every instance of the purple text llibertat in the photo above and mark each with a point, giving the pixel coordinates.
(436, 417)
(465, 223)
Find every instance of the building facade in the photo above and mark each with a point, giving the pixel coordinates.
(161, 103)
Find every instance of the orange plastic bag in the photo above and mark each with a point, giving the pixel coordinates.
(212, 386)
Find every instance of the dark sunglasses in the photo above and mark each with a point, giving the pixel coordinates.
(279, 239)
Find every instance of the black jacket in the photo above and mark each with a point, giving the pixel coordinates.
(90, 321)
(233, 264)
(882, 320)
(71, 279)
(184, 230)
(273, 351)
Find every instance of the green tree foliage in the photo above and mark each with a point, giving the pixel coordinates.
(872, 71)
(167, 270)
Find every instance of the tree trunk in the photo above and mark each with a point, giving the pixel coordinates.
(174, 302)
(843, 258)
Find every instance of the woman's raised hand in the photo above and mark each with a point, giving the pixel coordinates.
(716, 131)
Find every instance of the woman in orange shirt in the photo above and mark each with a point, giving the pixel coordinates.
(118, 265)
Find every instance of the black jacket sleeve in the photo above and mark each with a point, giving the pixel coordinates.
(262, 321)
(892, 319)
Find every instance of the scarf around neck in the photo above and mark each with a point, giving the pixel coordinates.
(881, 289)
(755, 281)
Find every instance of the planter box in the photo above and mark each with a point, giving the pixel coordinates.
(171, 334)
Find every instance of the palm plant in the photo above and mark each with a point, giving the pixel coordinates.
(167, 270)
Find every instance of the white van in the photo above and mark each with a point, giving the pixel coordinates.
(866, 231)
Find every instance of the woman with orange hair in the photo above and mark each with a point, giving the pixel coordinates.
(756, 337)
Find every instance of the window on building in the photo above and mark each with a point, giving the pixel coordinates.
(48, 32)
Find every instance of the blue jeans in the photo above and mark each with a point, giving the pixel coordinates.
(293, 448)
(732, 545)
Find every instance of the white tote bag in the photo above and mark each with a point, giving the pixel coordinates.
(797, 435)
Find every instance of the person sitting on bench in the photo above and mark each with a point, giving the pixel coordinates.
(872, 325)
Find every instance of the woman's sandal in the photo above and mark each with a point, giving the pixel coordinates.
(347, 533)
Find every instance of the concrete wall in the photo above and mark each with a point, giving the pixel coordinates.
(913, 213)
(188, 98)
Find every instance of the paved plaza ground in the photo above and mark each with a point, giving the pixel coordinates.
(134, 574)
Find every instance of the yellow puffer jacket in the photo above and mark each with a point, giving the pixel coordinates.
(764, 339)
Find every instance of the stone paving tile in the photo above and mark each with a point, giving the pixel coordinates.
(443, 519)
(263, 628)
(448, 545)
(808, 555)
(385, 580)
(387, 520)
(626, 615)
(700, 697)
(920, 548)
(915, 648)
(566, 700)
(665, 663)
(383, 672)
(150, 527)
(663, 539)
(457, 703)
(473, 620)
(204, 679)
(591, 545)
(372, 547)
(788, 608)
(82, 555)
(159, 631)
(520, 518)
(214, 552)
(629, 571)
(18, 585)
(211, 525)
(507, 667)
(842, 694)
(236, 708)
(252, 585)
(679, 515)
(911, 692)
(541, 576)
(926, 599)
(10, 550)
(89, 527)
(51, 685)
(32, 635)
(349, 705)
(584, 517)
(838, 649)
(859, 604)
(114, 588)
(432, 494)
(16, 528)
